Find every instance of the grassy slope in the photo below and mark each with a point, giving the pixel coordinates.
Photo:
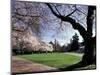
(57, 60)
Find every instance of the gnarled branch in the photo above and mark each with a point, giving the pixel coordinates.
(74, 24)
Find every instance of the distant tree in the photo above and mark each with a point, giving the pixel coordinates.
(64, 48)
(52, 44)
(56, 46)
(74, 43)
(59, 47)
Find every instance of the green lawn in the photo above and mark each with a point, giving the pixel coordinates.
(57, 60)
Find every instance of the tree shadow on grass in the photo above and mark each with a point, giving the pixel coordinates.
(78, 66)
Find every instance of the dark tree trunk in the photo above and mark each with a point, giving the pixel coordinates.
(89, 54)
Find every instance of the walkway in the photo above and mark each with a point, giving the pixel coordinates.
(20, 65)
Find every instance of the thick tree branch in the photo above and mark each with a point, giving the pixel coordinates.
(74, 24)
(58, 16)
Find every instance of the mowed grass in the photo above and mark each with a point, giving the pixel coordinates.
(57, 60)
